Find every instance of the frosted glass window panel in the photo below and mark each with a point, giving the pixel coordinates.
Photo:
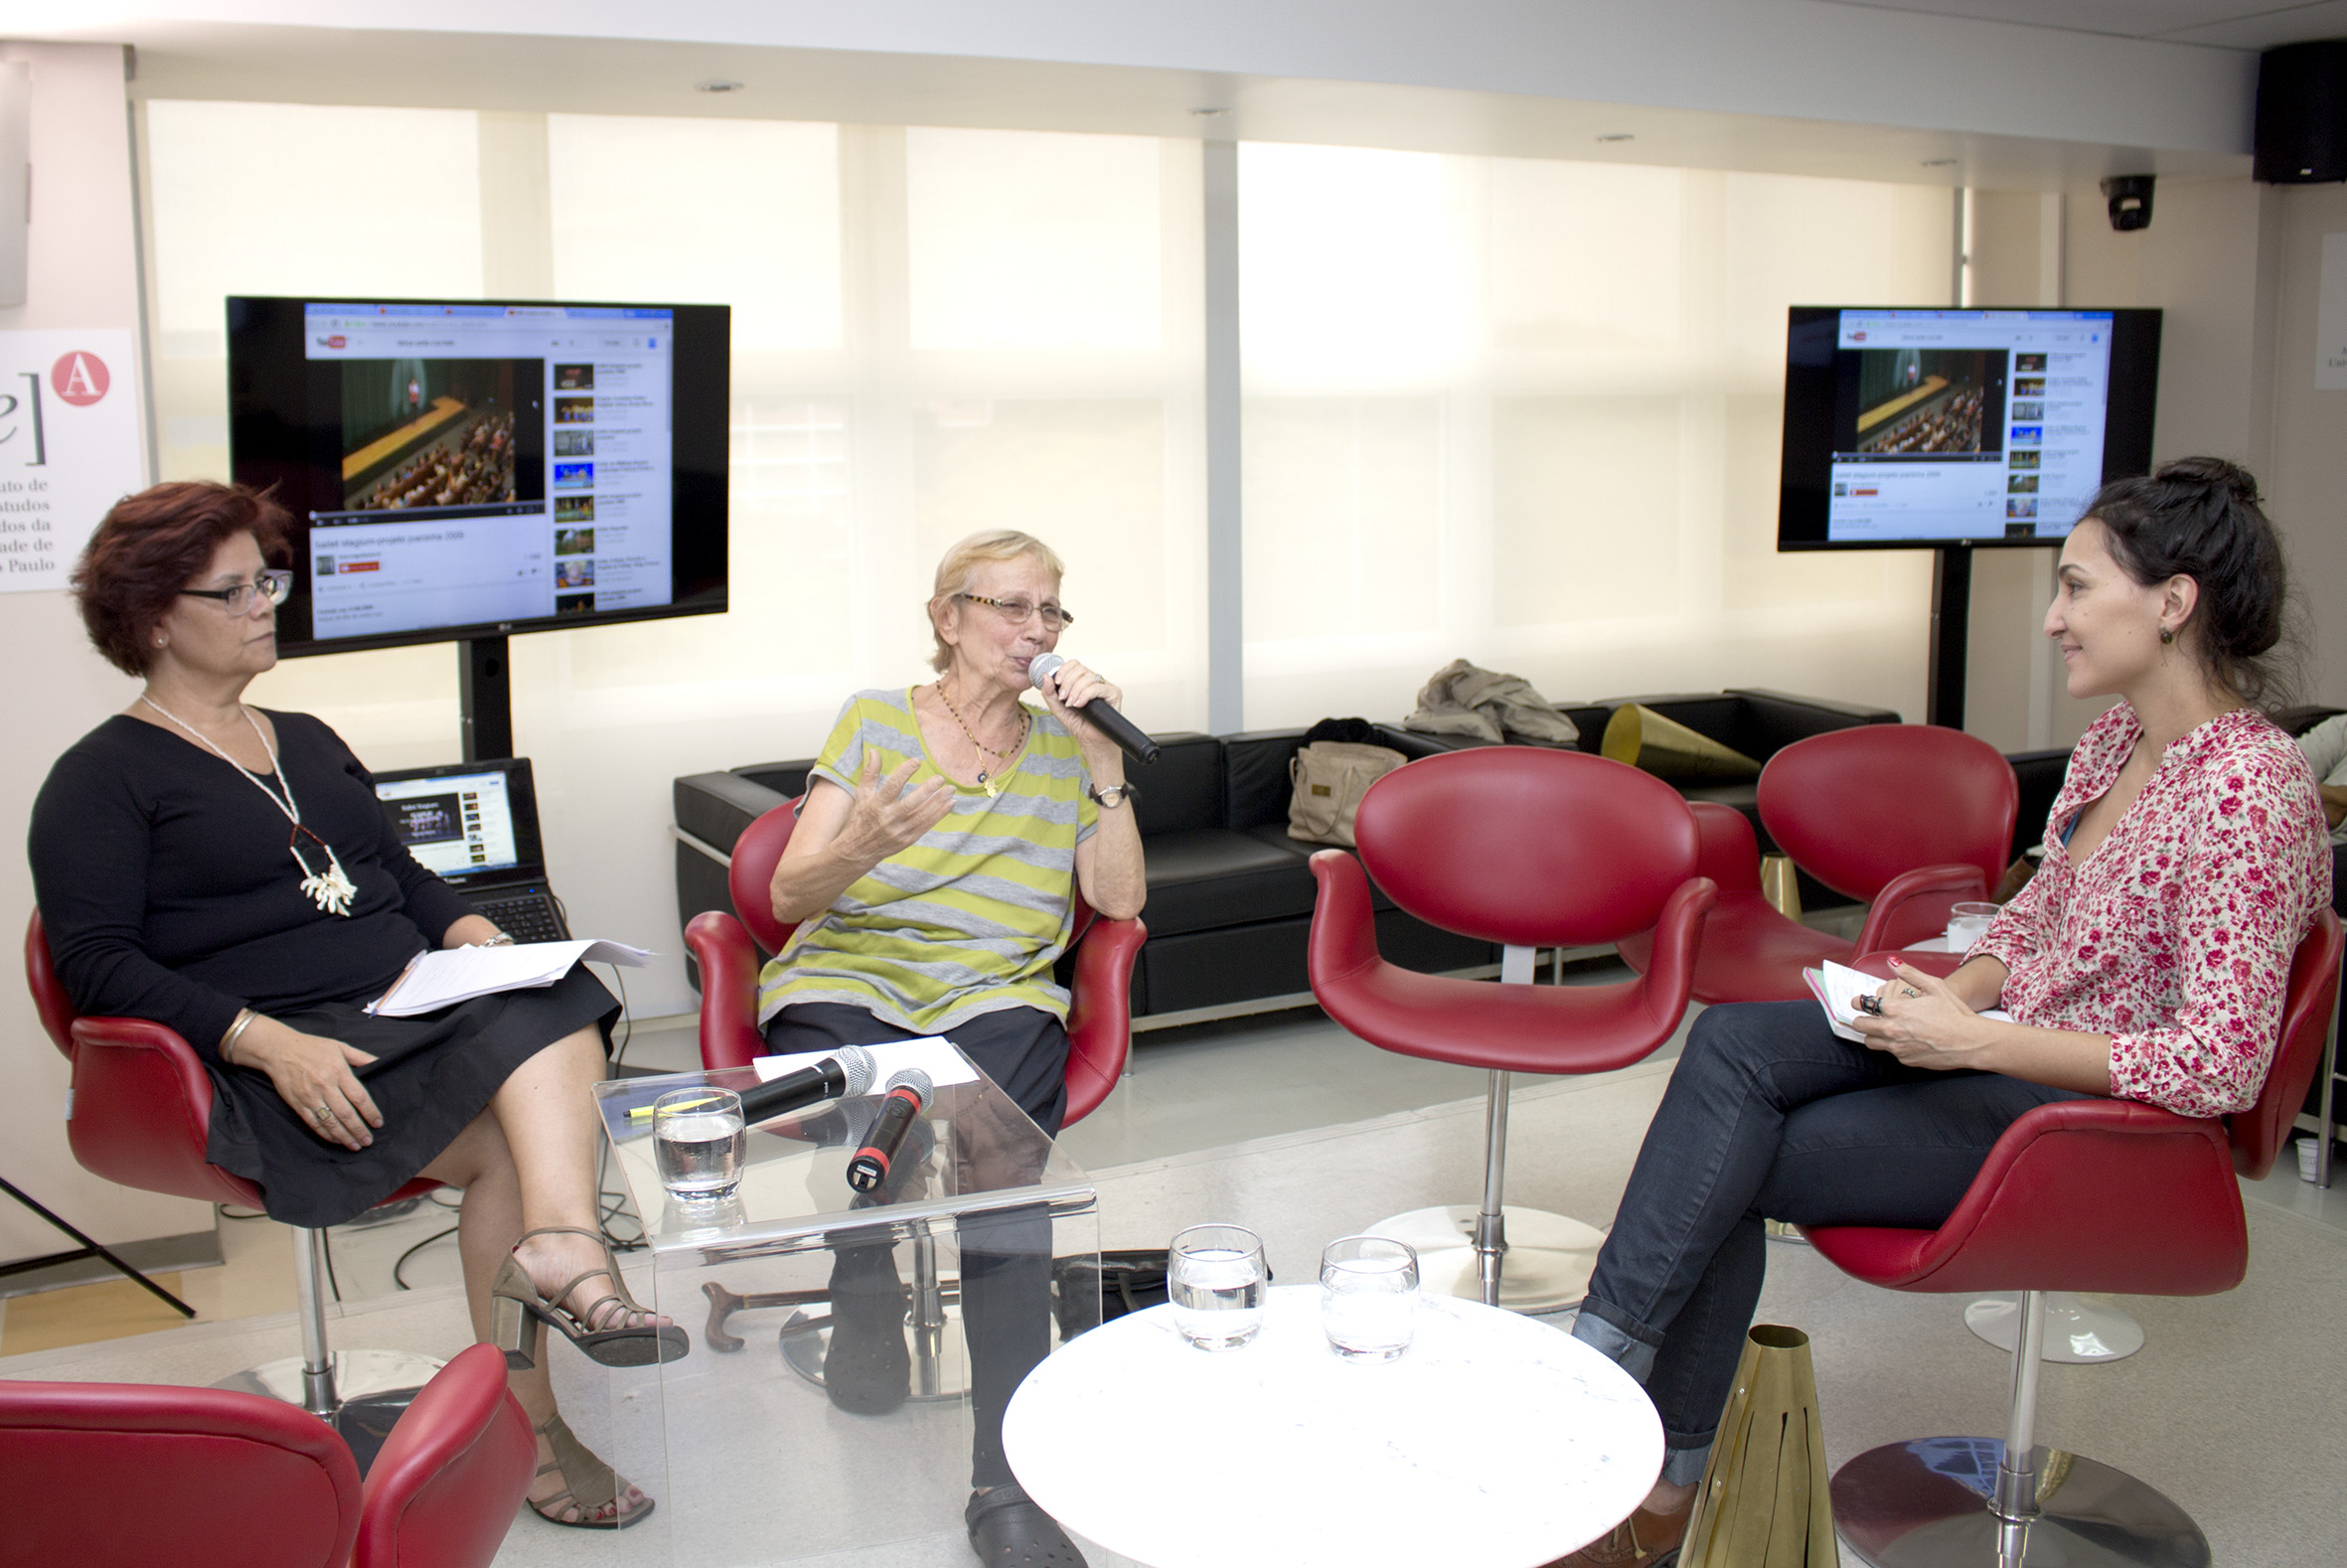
(1584, 257)
(1343, 507)
(1790, 240)
(739, 213)
(1356, 269)
(305, 199)
(1087, 478)
(1585, 509)
(1032, 239)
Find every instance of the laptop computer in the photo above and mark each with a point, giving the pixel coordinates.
(476, 825)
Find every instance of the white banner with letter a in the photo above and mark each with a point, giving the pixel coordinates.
(69, 446)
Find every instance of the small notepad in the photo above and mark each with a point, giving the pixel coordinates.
(1837, 988)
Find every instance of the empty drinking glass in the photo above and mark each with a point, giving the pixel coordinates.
(696, 1141)
(1214, 1279)
(1967, 923)
(1368, 1297)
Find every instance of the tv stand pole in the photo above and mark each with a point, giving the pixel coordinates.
(1952, 626)
(485, 691)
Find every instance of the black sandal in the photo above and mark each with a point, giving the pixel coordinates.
(1007, 1530)
(519, 1314)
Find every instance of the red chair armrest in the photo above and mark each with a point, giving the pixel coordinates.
(1676, 937)
(2060, 1204)
(1100, 1013)
(1914, 905)
(729, 967)
(444, 1487)
(142, 1112)
(1344, 922)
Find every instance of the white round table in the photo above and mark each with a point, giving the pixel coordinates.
(1493, 1440)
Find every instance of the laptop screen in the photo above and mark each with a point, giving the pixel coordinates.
(465, 820)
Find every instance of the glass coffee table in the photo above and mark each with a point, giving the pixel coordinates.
(826, 1403)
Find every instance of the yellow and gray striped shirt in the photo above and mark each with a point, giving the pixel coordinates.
(970, 917)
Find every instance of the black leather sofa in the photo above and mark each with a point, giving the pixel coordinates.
(1230, 896)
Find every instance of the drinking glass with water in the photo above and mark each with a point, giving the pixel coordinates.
(1967, 923)
(1214, 1278)
(1368, 1297)
(697, 1141)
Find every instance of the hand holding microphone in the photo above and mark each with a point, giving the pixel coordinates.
(1128, 735)
(908, 1096)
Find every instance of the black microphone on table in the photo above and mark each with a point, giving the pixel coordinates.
(907, 1096)
(848, 1072)
(1127, 734)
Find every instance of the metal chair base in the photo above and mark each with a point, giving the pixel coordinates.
(1925, 1504)
(1546, 1266)
(2079, 1332)
(364, 1395)
(939, 1356)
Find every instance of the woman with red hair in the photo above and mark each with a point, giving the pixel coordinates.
(228, 872)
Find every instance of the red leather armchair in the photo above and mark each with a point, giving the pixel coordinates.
(133, 1475)
(139, 1114)
(728, 950)
(1528, 849)
(2077, 1195)
(1910, 818)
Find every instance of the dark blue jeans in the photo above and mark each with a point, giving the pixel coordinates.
(1770, 1113)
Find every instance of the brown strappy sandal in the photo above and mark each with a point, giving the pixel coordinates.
(588, 1484)
(519, 1314)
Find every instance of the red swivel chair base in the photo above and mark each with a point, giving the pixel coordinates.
(1548, 1257)
(1957, 1502)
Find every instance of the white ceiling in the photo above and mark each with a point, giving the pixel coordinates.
(2226, 24)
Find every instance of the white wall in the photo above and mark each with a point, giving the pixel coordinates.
(83, 274)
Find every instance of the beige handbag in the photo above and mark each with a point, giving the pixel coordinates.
(1330, 777)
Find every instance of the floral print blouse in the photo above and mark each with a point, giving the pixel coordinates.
(2175, 935)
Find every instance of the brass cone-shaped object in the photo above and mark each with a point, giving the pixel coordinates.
(1764, 1501)
(1669, 749)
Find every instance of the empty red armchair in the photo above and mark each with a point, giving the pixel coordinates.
(2076, 1195)
(1908, 818)
(730, 951)
(139, 1114)
(1528, 849)
(133, 1475)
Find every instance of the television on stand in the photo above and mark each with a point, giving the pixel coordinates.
(464, 470)
(1957, 429)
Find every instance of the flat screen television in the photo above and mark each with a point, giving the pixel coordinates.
(465, 468)
(1908, 429)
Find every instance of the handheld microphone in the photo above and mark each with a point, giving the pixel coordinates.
(908, 1096)
(1127, 734)
(849, 1071)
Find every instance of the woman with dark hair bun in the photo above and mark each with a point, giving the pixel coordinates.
(2185, 857)
(228, 872)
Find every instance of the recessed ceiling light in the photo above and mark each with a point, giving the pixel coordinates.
(716, 85)
(1208, 113)
(1938, 163)
(1617, 136)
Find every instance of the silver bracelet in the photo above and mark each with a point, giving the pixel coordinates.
(499, 940)
(228, 1044)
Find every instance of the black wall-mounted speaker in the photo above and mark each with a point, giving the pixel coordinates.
(2302, 113)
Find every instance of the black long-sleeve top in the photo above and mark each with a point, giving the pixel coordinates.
(168, 892)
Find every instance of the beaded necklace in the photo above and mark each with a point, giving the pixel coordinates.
(332, 889)
(985, 781)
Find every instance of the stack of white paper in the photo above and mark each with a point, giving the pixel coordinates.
(450, 974)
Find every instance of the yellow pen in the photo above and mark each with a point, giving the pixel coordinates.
(690, 1105)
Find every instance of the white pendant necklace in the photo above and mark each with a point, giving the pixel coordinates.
(331, 889)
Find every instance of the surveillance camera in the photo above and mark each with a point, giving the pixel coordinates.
(2130, 201)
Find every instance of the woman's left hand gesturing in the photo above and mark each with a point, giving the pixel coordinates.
(1068, 691)
(1924, 1024)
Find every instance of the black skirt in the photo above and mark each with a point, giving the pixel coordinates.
(430, 1077)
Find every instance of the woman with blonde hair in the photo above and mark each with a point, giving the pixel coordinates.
(945, 828)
